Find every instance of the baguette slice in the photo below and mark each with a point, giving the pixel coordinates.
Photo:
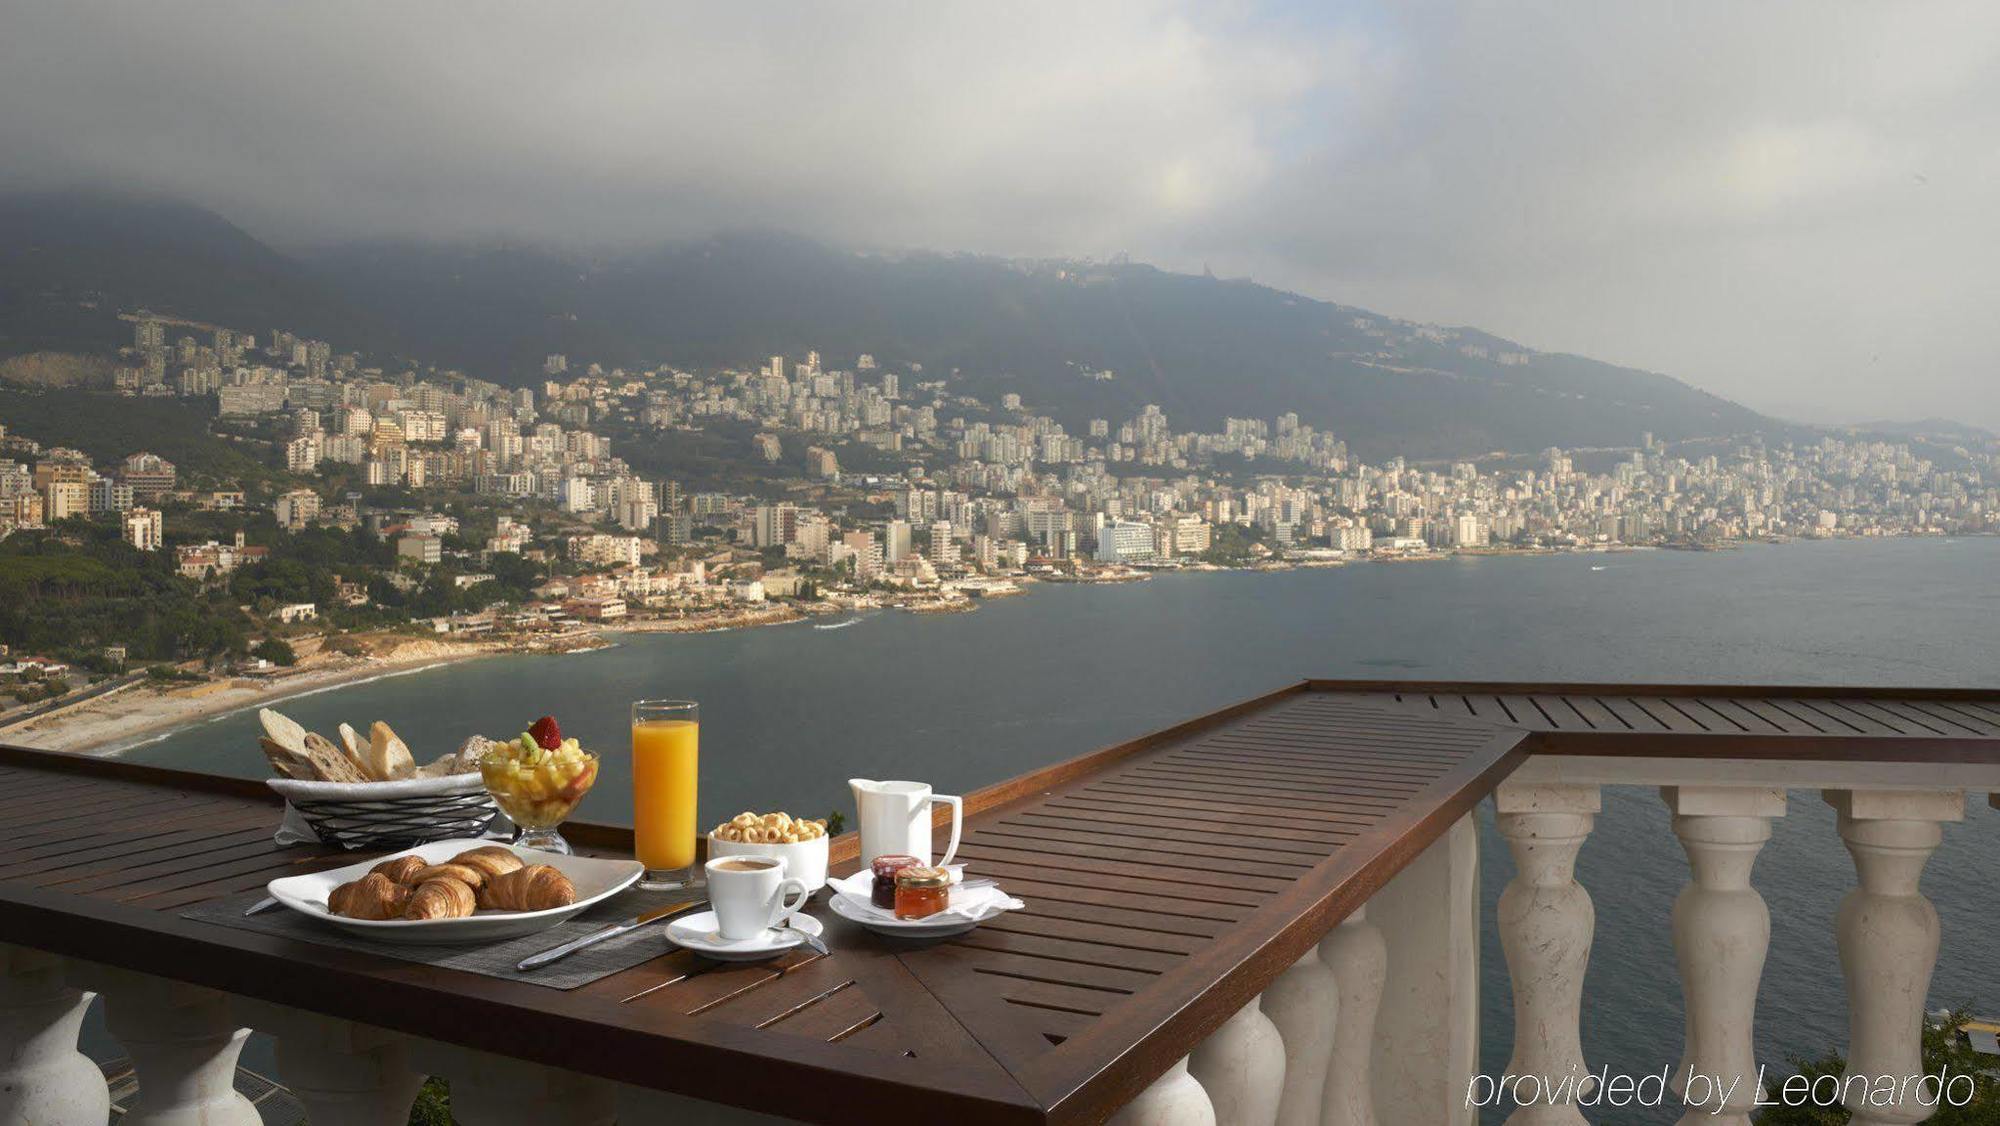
(352, 746)
(283, 730)
(287, 763)
(387, 758)
(328, 764)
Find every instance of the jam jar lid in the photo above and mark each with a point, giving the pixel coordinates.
(892, 863)
(923, 877)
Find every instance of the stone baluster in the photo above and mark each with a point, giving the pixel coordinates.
(1722, 930)
(1242, 1067)
(1174, 1099)
(346, 1074)
(43, 1078)
(1303, 1004)
(1546, 923)
(183, 1041)
(490, 1090)
(1359, 959)
(1888, 936)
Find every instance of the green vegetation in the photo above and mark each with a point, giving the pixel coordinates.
(433, 1105)
(1230, 545)
(77, 588)
(111, 427)
(72, 592)
(1942, 1050)
(275, 650)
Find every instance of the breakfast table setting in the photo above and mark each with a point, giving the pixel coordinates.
(461, 864)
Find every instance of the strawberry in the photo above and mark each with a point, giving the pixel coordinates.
(546, 734)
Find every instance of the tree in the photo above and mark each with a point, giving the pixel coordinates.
(1942, 1051)
(276, 651)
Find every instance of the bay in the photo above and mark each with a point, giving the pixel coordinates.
(790, 712)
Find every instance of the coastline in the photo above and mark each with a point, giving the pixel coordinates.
(135, 716)
(121, 720)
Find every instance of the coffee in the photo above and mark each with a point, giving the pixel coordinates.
(749, 893)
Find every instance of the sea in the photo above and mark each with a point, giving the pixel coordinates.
(790, 712)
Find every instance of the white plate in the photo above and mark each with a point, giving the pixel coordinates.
(697, 933)
(852, 901)
(594, 880)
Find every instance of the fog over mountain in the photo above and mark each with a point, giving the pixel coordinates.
(1078, 340)
(1783, 203)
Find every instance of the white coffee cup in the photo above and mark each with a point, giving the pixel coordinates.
(748, 894)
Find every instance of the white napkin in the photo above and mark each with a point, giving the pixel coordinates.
(975, 904)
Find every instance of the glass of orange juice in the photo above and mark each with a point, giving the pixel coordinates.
(666, 738)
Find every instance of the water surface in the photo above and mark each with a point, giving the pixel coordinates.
(790, 712)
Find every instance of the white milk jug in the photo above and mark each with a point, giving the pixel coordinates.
(895, 818)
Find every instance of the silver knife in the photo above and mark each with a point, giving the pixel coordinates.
(556, 953)
(262, 904)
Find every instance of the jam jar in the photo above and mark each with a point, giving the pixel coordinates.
(922, 892)
(883, 893)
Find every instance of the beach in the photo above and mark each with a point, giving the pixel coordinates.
(147, 711)
(133, 715)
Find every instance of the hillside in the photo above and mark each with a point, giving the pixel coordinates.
(1201, 347)
(71, 262)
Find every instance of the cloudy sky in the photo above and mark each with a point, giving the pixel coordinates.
(1792, 204)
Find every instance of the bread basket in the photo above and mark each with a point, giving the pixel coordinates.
(386, 814)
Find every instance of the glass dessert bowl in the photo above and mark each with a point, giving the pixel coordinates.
(537, 780)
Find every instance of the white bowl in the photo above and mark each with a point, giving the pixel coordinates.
(593, 878)
(804, 861)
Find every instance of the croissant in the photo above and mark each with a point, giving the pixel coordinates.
(535, 888)
(373, 896)
(452, 870)
(440, 899)
(403, 869)
(490, 861)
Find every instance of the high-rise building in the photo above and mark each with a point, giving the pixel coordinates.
(149, 475)
(896, 541)
(1124, 541)
(143, 529)
(774, 525)
(296, 509)
(944, 549)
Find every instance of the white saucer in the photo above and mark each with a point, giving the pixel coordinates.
(697, 933)
(851, 901)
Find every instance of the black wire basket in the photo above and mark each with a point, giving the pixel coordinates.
(399, 821)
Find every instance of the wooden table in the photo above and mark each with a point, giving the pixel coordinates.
(1169, 880)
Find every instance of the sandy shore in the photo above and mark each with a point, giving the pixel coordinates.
(118, 721)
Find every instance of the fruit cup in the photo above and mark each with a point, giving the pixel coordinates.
(538, 792)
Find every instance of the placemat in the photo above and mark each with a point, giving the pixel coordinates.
(495, 959)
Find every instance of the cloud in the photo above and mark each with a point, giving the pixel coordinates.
(1787, 203)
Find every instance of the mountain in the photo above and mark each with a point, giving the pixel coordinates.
(71, 262)
(1075, 340)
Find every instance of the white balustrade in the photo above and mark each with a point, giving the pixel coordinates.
(183, 1042)
(1888, 937)
(1427, 1033)
(1546, 924)
(1358, 957)
(1174, 1099)
(1312, 1050)
(1242, 1067)
(345, 1074)
(43, 1078)
(1302, 1005)
(1722, 930)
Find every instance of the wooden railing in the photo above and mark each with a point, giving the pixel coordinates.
(1371, 1021)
